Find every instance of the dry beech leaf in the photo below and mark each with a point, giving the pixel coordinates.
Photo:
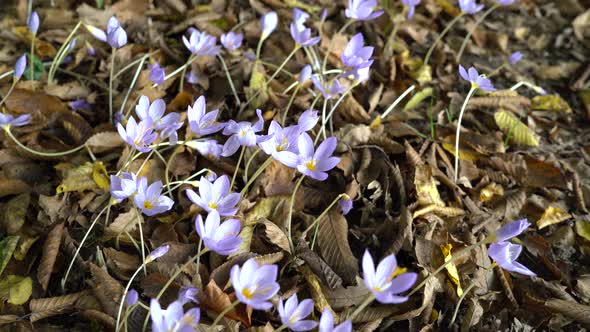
(333, 246)
(14, 213)
(107, 289)
(7, 246)
(318, 266)
(552, 103)
(85, 177)
(343, 297)
(125, 222)
(426, 189)
(13, 187)
(216, 300)
(575, 311)
(121, 264)
(551, 216)
(50, 252)
(451, 267)
(104, 141)
(315, 288)
(518, 131)
(48, 307)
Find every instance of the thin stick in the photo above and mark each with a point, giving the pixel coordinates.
(471, 92)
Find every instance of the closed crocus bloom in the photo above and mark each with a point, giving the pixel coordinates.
(124, 186)
(242, 134)
(411, 4)
(201, 43)
(173, 318)
(201, 122)
(157, 253)
(312, 163)
(305, 74)
(33, 23)
(470, 6)
(255, 285)
(149, 199)
(96, 32)
(307, 120)
(132, 297)
(116, 35)
(219, 237)
(7, 120)
(511, 230)
(157, 74)
(208, 148)
(477, 81)
(268, 24)
(356, 54)
(505, 253)
(215, 196)
(345, 205)
(382, 281)
(506, 2)
(327, 323)
(231, 41)
(299, 17)
(362, 10)
(292, 313)
(515, 58)
(20, 66)
(138, 135)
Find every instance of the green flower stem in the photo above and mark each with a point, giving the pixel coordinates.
(142, 266)
(113, 50)
(229, 79)
(233, 178)
(497, 70)
(290, 103)
(324, 122)
(39, 153)
(397, 101)
(256, 175)
(60, 55)
(282, 327)
(65, 278)
(477, 23)
(247, 168)
(471, 92)
(134, 62)
(192, 58)
(181, 69)
(135, 77)
(32, 64)
(317, 220)
(290, 215)
(225, 311)
(138, 219)
(363, 305)
(440, 37)
(331, 45)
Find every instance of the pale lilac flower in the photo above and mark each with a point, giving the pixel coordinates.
(33, 23)
(515, 57)
(268, 22)
(168, 125)
(19, 67)
(255, 285)
(173, 318)
(96, 32)
(300, 17)
(327, 323)
(132, 297)
(511, 230)
(123, 186)
(231, 40)
(80, 104)
(157, 253)
(355, 54)
(470, 6)
(90, 50)
(188, 294)
(223, 238)
(328, 90)
(208, 148)
(305, 74)
(324, 15)
(242, 134)
(7, 120)
(116, 35)
(477, 81)
(157, 74)
(192, 77)
(149, 199)
(381, 282)
(505, 2)
(201, 122)
(310, 163)
(345, 205)
(282, 140)
(505, 253)
(302, 36)
(292, 313)
(308, 120)
(215, 196)
(362, 10)
(201, 43)
(138, 135)
(359, 74)
(411, 4)
(150, 111)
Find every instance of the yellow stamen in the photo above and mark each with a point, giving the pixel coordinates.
(148, 205)
(311, 165)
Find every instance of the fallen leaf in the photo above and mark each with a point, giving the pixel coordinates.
(16, 289)
(50, 252)
(7, 246)
(451, 267)
(552, 216)
(517, 131)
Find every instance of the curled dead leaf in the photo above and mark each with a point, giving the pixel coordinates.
(50, 252)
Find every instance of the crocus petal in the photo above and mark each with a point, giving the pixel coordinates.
(403, 282)
(511, 230)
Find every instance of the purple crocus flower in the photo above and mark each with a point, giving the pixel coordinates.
(382, 283)
(355, 54)
(328, 90)
(124, 186)
(327, 323)
(362, 10)
(208, 148)
(157, 74)
(80, 104)
(505, 253)
(138, 135)
(505, 2)
(188, 294)
(310, 163)
(222, 238)
(192, 77)
(255, 285)
(201, 43)
(292, 313)
(305, 74)
(20, 66)
(33, 23)
(411, 4)
(282, 140)
(173, 318)
(7, 120)
(470, 6)
(157, 253)
(307, 120)
(215, 196)
(477, 81)
(132, 297)
(268, 23)
(149, 199)
(201, 122)
(168, 125)
(96, 32)
(242, 134)
(345, 205)
(302, 36)
(150, 111)
(231, 40)
(300, 17)
(515, 58)
(116, 35)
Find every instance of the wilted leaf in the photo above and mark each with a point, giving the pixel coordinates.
(15, 211)
(418, 98)
(7, 246)
(216, 300)
(553, 103)
(575, 311)
(517, 131)
(47, 307)
(465, 153)
(583, 229)
(105, 141)
(16, 289)
(552, 216)
(489, 191)
(50, 252)
(426, 189)
(85, 177)
(451, 268)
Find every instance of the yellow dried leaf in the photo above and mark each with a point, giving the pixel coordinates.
(426, 189)
(464, 153)
(43, 49)
(451, 267)
(552, 216)
(583, 229)
(100, 176)
(16, 289)
(25, 243)
(552, 103)
(489, 191)
(85, 177)
(423, 74)
(518, 131)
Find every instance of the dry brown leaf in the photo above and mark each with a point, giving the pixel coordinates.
(318, 266)
(47, 307)
(14, 213)
(13, 187)
(121, 264)
(315, 288)
(104, 141)
(107, 289)
(216, 300)
(50, 252)
(125, 222)
(551, 216)
(578, 312)
(426, 189)
(275, 235)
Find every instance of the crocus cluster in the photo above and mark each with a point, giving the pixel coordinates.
(505, 253)
(174, 318)
(147, 198)
(115, 35)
